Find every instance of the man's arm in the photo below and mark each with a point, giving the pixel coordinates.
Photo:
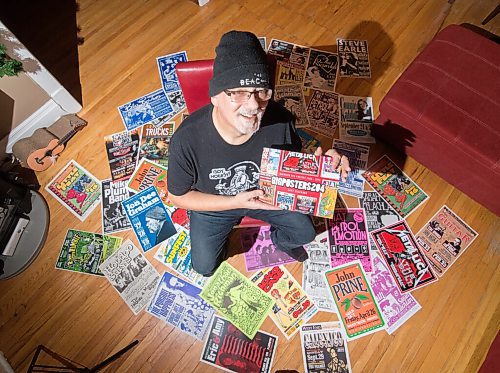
(198, 201)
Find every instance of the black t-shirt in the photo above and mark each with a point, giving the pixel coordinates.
(200, 159)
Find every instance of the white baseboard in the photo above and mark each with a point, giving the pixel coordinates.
(45, 116)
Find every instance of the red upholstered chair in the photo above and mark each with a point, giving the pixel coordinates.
(447, 102)
(193, 78)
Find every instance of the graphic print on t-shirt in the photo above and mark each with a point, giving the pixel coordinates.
(238, 178)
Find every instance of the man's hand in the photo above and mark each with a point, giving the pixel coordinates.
(250, 200)
(341, 163)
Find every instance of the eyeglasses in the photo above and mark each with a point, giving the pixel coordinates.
(240, 97)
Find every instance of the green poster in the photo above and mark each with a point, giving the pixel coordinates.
(85, 251)
(237, 299)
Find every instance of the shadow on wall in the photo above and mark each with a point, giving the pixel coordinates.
(48, 29)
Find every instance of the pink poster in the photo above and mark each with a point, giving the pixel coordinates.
(397, 308)
(349, 238)
(260, 252)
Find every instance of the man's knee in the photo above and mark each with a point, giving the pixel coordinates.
(205, 268)
(297, 231)
(309, 233)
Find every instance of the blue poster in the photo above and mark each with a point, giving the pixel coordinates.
(145, 109)
(149, 218)
(166, 69)
(178, 303)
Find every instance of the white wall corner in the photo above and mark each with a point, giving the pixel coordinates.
(45, 116)
(42, 76)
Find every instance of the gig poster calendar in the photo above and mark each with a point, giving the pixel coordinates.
(356, 305)
(299, 182)
(398, 248)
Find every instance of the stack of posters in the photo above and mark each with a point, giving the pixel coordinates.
(358, 161)
(292, 306)
(321, 70)
(260, 252)
(149, 218)
(356, 119)
(229, 349)
(356, 305)
(396, 307)
(76, 189)
(175, 253)
(444, 238)
(299, 182)
(324, 348)
(122, 149)
(114, 218)
(354, 60)
(133, 277)
(401, 192)
(349, 238)
(313, 278)
(178, 303)
(238, 299)
(155, 141)
(323, 112)
(400, 251)
(84, 251)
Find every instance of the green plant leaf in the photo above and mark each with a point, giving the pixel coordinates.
(346, 303)
(361, 297)
(8, 66)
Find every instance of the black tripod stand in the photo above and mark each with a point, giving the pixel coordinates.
(71, 366)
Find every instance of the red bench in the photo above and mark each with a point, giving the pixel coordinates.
(444, 111)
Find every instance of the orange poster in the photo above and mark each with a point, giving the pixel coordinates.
(356, 305)
(149, 173)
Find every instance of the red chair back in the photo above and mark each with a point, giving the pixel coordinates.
(193, 78)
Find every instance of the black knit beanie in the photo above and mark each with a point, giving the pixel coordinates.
(240, 62)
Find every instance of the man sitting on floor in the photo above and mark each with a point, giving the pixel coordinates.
(215, 154)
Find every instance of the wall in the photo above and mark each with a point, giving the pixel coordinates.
(27, 95)
(34, 99)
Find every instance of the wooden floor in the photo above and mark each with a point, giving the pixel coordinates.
(82, 317)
